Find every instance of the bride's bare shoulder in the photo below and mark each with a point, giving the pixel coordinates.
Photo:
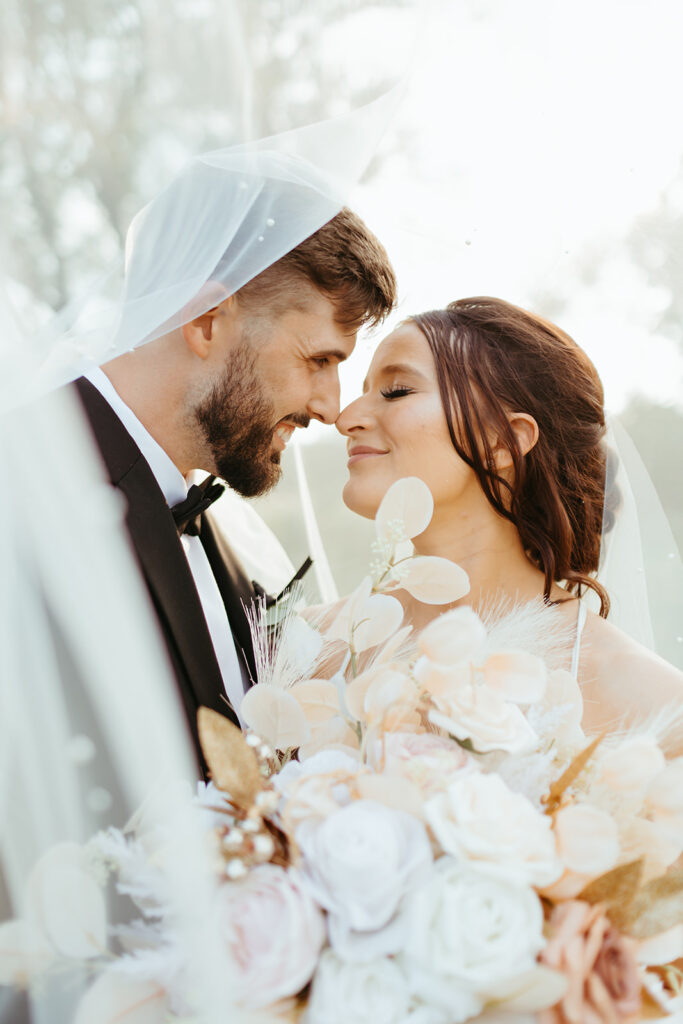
(621, 679)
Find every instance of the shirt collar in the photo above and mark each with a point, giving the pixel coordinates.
(171, 481)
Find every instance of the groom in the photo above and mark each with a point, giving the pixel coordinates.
(224, 393)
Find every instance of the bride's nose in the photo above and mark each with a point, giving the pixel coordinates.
(354, 417)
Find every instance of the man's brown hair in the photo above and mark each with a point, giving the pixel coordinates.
(342, 259)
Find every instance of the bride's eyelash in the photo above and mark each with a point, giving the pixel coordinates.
(395, 392)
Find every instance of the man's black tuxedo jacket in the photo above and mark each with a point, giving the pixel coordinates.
(165, 568)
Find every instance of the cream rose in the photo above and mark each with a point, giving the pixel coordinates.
(475, 712)
(273, 931)
(469, 932)
(478, 818)
(360, 860)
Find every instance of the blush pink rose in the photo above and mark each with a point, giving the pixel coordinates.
(274, 932)
(426, 760)
(600, 965)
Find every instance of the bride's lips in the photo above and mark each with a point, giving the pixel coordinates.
(363, 451)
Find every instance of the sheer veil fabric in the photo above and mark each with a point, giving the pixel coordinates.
(226, 217)
(89, 723)
(640, 565)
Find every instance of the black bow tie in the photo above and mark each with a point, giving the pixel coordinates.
(199, 497)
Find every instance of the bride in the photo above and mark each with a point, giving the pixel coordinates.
(501, 414)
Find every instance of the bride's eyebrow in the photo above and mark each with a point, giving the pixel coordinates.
(396, 369)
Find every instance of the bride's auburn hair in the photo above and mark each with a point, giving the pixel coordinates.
(492, 359)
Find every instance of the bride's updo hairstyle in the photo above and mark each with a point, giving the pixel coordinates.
(493, 358)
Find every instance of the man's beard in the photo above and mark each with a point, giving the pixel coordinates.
(238, 421)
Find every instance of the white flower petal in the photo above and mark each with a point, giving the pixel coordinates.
(408, 502)
(633, 764)
(24, 952)
(340, 627)
(516, 676)
(392, 646)
(563, 693)
(276, 716)
(663, 948)
(115, 999)
(319, 699)
(378, 619)
(434, 580)
(665, 792)
(453, 638)
(587, 839)
(67, 903)
(335, 735)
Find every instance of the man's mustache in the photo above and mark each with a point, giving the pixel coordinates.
(299, 419)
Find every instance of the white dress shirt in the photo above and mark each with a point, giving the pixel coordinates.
(174, 488)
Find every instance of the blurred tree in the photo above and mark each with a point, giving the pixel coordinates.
(656, 245)
(102, 100)
(657, 431)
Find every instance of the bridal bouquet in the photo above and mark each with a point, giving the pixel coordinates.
(426, 837)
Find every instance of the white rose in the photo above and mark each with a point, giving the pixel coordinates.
(480, 819)
(474, 712)
(361, 859)
(469, 931)
(364, 946)
(273, 931)
(368, 993)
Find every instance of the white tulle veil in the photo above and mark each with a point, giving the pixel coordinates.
(227, 216)
(90, 724)
(640, 565)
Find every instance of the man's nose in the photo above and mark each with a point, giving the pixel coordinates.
(324, 403)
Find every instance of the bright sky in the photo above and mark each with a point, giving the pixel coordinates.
(532, 135)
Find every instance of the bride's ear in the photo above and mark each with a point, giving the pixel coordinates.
(525, 429)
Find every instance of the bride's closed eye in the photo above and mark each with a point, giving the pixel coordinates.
(396, 392)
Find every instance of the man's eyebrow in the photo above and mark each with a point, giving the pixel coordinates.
(331, 353)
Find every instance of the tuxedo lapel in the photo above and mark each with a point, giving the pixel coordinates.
(237, 591)
(162, 559)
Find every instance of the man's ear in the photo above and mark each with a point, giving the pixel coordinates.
(525, 429)
(200, 334)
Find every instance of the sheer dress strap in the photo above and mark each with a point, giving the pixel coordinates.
(580, 623)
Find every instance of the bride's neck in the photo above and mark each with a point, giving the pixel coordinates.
(490, 551)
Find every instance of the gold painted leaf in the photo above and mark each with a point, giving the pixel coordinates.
(570, 775)
(232, 762)
(616, 889)
(658, 906)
